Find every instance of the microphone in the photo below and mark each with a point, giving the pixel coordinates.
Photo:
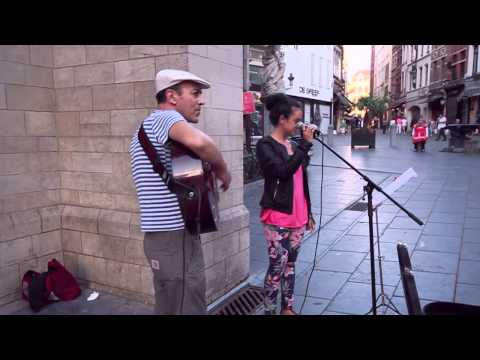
(316, 132)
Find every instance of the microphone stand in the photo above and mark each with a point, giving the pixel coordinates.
(368, 188)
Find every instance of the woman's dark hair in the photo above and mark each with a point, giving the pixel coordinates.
(280, 104)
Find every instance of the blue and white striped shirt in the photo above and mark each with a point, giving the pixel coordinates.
(159, 208)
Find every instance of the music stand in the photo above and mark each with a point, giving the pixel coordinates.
(368, 189)
(390, 305)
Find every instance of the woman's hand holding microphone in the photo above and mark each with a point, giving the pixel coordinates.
(309, 131)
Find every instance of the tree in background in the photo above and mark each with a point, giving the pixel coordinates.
(374, 106)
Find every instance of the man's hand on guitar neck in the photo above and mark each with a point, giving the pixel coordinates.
(202, 145)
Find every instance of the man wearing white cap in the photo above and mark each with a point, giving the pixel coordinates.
(175, 256)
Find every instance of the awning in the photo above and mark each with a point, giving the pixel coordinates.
(436, 97)
(343, 100)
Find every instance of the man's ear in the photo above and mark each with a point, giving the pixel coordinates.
(171, 96)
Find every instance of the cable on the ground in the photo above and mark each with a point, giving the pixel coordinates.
(318, 232)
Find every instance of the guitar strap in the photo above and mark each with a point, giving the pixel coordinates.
(151, 153)
(174, 186)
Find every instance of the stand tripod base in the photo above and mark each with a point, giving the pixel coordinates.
(390, 306)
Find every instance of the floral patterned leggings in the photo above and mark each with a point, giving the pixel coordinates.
(283, 248)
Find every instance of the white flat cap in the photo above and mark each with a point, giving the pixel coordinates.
(170, 77)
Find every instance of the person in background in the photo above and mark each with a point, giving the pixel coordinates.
(404, 125)
(398, 122)
(384, 124)
(347, 125)
(419, 135)
(435, 125)
(442, 123)
(431, 127)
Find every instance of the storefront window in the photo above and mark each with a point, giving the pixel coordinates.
(257, 120)
(254, 74)
(306, 113)
(316, 115)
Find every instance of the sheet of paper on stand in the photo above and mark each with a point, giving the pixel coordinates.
(379, 198)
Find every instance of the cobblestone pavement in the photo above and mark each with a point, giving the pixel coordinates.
(445, 252)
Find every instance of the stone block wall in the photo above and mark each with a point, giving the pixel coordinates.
(71, 116)
(227, 251)
(30, 208)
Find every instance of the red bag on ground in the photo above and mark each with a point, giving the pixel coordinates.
(35, 290)
(53, 285)
(61, 282)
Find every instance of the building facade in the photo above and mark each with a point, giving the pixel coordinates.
(357, 87)
(471, 96)
(455, 83)
(382, 70)
(416, 64)
(397, 99)
(341, 104)
(438, 75)
(309, 78)
(434, 80)
(372, 66)
(381, 73)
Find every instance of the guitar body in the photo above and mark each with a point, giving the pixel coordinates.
(200, 203)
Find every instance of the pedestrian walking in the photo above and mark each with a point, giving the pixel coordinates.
(399, 125)
(404, 125)
(442, 123)
(384, 124)
(413, 123)
(431, 127)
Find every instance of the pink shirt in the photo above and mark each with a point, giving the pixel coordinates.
(299, 215)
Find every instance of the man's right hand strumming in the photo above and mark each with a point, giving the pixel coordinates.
(224, 176)
(201, 144)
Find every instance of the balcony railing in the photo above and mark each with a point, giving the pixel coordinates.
(423, 91)
(454, 83)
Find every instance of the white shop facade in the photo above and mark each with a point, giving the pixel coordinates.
(309, 79)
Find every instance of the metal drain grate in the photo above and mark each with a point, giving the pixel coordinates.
(246, 301)
(358, 206)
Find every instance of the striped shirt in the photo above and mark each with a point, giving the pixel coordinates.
(159, 208)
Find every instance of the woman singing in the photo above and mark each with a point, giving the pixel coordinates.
(286, 211)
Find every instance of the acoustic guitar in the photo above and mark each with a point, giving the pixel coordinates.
(192, 180)
(196, 187)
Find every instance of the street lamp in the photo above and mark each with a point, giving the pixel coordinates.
(290, 79)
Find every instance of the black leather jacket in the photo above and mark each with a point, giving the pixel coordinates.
(278, 169)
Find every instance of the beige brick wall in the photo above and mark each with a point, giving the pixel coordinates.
(67, 114)
(30, 210)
